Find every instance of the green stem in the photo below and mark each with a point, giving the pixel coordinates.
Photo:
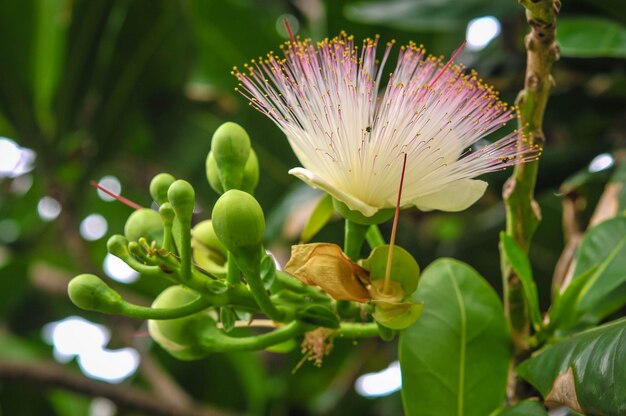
(294, 285)
(523, 213)
(374, 237)
(142, 312)
(255, 283)
(233, 276)
(184, 249)
(356, 330)
(224, 343)
(354, 238)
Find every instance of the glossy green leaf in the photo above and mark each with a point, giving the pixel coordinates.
(591, 37)
(564, 310)
(455, 358)
(319, 218)
(603, 246)
(596, 358)
(519, 262)
(228, 318)
(523, 408)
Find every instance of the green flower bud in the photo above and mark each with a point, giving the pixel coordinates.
(144, 223)
(231, 148)
(159, 186)
(90, 293)
(118, 246)
(381, 216)
(250, 173)
(182, 197)
(239, 223)
(180, 337)
(213, 174)
(250, 178)
(208, 251)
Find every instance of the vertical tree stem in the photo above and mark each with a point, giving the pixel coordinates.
(522, 212)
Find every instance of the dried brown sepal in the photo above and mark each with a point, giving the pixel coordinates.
(326, 266)
(563, 392)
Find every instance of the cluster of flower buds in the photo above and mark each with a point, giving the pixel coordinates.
(223, 279)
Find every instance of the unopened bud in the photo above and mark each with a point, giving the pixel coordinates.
(159, 186)
(230, 147)
(239, 223)
(145, 223)
(90, 293)
(182, 198)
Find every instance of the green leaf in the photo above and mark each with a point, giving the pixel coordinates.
(564, 312)
(455, 358)
(319, 218)
(48, 53)
(524, 408)
(597, 380)
(603, 246)
(519, 262)
(591, 37)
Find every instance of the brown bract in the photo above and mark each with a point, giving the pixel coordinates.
(326, 266)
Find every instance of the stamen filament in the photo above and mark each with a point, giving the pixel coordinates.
(120, 198)
(394, 229)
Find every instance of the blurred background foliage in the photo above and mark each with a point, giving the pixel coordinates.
(95, 88)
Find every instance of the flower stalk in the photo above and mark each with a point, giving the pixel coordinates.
(522, 212)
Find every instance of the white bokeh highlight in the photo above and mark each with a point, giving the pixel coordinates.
(48, 208)
(481, 31)
(110, 183)
(93, 227)
(601, 162)
(77, 337)
(382, 383)
(116, 269)
(14, 160)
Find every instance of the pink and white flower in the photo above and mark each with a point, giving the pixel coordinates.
(350, 137)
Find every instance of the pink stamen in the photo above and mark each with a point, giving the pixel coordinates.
(120, 198)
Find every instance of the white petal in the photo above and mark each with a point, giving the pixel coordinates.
(313, 180)
(457, 196)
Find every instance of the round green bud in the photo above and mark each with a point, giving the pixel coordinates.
(238, 222)
(231, 148)
(250, 178)
(250, 173)
(159, 186)
(382, 215)
(182, 197)
(90, 293)
(146, 223)
(181, 336)
(213, 174)
(167, 213)
(118, 246)
(204, 234)
(208, 251)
